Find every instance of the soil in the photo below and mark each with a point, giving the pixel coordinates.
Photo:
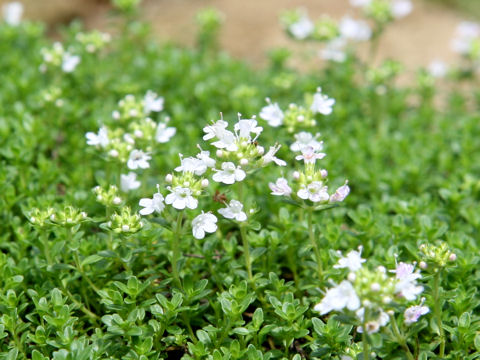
(251, 27)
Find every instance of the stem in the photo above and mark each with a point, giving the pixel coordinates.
(293, 266)
(246, 252)
(243, 235)
(400, 338)
(80, 270)
(18, 343)
(176, 249)
(80, 305)
(366, 350)
(186, 320)
(314, 244)
(46, 248)
(438, 312)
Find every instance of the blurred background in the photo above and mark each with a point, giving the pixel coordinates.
(251, 27)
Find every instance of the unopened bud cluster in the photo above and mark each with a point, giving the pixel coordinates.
(125, 222)
(108, 196)
(68, 216)
(436, 256)
(93, 41)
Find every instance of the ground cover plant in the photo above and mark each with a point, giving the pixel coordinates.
(161, 202)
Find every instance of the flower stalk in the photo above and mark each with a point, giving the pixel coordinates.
(313, 242)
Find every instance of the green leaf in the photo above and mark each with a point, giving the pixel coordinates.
(92, 259)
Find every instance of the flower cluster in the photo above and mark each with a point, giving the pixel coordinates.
(131, 134)
(311, 183)
(93, 41)
(371, 295)
(238, 153)
(383, 11)
(297, 116)
(338, 35)
(58, 57)
(467, 40)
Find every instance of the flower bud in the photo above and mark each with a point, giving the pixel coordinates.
(125, 227)
(219, 153)
(375, 287)
(244, 162)
(117, 200)
(113, 153)
(260, 150)
(296, 175)
(205, 183)
(323, 173)
(423, 265)
(452, 257)
(351, 277)
(169, 178)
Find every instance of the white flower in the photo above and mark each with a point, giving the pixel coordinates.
(233, 211)
(341, 193)
(138, 159)
(438, 69)
(129, 182)
(401, 8)
(339, 297)
(152, 102)
(12, 13)
(204, 156)
(69, 62)
(413, 313)
(246, 126)
(322, 104)
(98, 139)
(164, 133)
(280, 187)
(373, 325)
(152, 205)
(309, 156)
(334, 50)
(192, 165)
(353, 261)
(468, 29)
(360, 3)
(302, 28)
(272, 114)
(270, 156)
(226, 139)
(180, 198)
(357, 30)
(205, 222)
(315, 192)
(305, 139)
(406, 285)
(229, 173)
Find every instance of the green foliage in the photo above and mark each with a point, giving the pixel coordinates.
(85, 277)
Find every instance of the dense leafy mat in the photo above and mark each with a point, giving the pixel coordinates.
(84, 276)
